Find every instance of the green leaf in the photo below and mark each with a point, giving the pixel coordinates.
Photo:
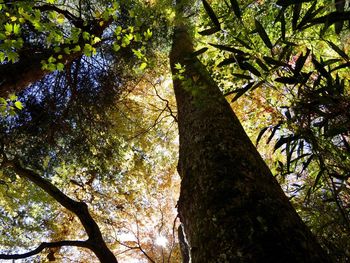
(148, 34)
(138, 53)
(118, 30)
(272, 61)
(309, 15)
(287, 80)
(77, 48)
(261, 64)
(2, 56)
(209, 31)
(236, 8)
(125, 41)
(228, 48)
(318, 177)
(60, 18)
(243, 43)
(211, 14)
(338, 50)
(261, 133)
(263, 35)
(178, 66)
(16, 29)
(137, 37)
(275, 128)
(227, 61)
(131, 13)
(143, 66)
(300, 62)
(241, 91)
(116, 47)
(60, 66)
(51, 67)
(286, 3)
(8, 28)
(88, 50)
(105, 15)
(67, 50)
(129, 36)
(242, 76)
(13, 97)
(18, 105)
(51, 59)
(86, 35)
(12, 56)
(296, 15)
(95, 40)
(250, 68)
(199, 52)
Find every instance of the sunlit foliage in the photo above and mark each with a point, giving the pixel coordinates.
(101, 122)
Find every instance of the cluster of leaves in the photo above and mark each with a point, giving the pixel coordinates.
(79, 129)
(292, 48)
(69, 29)
(88, 133)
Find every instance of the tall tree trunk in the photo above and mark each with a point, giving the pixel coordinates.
(231, 207)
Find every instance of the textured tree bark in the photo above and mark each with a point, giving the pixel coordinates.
(231, 207)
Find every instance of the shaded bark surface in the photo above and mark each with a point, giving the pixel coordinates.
(231, 207)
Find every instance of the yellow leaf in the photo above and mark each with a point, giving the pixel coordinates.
(60, 18)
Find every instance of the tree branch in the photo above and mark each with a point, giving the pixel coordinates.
(45, 245)
(76, 21)
(166, 101)
(95, 241)
(44, 184)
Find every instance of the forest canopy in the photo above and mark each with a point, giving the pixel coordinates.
(90, 122)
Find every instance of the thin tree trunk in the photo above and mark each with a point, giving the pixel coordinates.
(231, 207)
